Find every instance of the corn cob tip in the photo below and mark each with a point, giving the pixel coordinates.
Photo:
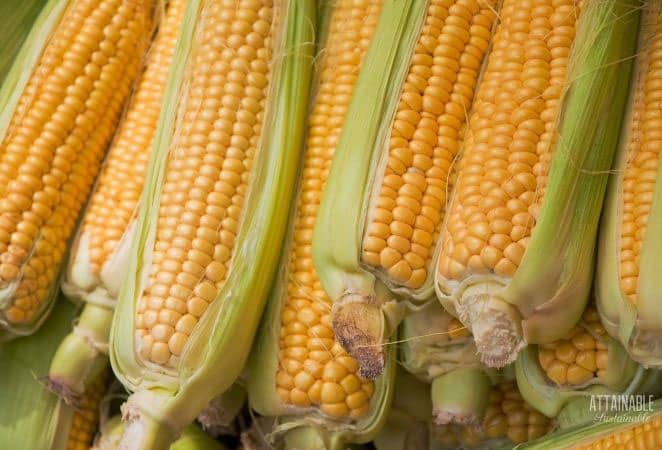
(359, 328)
(460, 396)
(142, 431)
(495, 325)
(445, 417)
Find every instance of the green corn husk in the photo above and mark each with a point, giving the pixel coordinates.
(460, 384)
(16, 19)
(193, 438)
(16, 79)
(32, 416)
(637, 324)
(545, 297)
(165, 401)
(85, 350)
(407, 424)
(218, 418)
(605, 425)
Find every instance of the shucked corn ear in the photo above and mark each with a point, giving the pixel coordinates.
(99, 256)
(192, 438)
(639, 428)
(59, 108)
(214, 209)
(587, 360)
(629, 245)
(439, 350)
(517, 245)
(299, 372)
(508, 420)
(32, 416)
(385, 200)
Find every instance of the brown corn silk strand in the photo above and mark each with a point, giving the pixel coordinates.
(643, 154)
(208, 173)
(56, 139)
(113, 204)
(426, 135)
(314, 371)
(510, 141)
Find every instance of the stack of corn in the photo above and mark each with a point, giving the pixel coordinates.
(630, 244)
(213, 209)
(59, 107)
(98, 257)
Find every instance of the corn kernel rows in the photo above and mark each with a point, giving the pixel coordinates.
(580, 357)
(425, 138)
(314, 370)
(57, 137)
(86, 417)
(647, 435)
(511, 136)
(113, 204)
(207, 176)
(507, 416)
(643, 156)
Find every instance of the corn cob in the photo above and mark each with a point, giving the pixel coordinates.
(628, 270)
(299, 373)
(508, 420)
(33, 417)
(385, 200)
(439, 350)
(60, 104)
(16, 19)
(517, 244)
(220, 179)
(192, 438)
(100, 250)
(641, 430)
(539, 384)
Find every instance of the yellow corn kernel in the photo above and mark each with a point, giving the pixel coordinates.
(508, 416)
(56, 139)
(207, 174)
(643, 156)
(113, 203)
(86, 417)
(581, 356)
(644, 436)
(510, 140)
(314, 370)
(408, 205)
